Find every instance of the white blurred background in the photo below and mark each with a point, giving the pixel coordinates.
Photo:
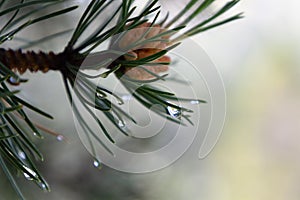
(257, 156)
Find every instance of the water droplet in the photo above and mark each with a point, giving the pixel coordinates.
(14, 80)
(37, 135)
(60, 137)
(120, 101)
(97, 164)
(10, 37)
(194, 102)
(126, 97)
(22, 155)
(174, 112)
(32, 173)
(27, 177)
(100, 94)
(42, 185)
(121, 124)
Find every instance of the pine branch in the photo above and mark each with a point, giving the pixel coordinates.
(137, 55)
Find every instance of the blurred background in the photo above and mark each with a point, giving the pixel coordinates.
(257, 156)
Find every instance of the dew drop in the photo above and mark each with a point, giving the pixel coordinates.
(120, 101)
(27, 177)
(10, 37)
(60, 137)
(126, 97)
(42, 185)
(32, 173)
(97, 164)
(121, 124)
(14, 80)
(22, 155)
(37, 135)
(174, 112)
(195, 102)
(100, 94)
